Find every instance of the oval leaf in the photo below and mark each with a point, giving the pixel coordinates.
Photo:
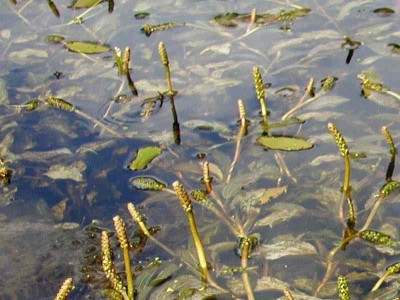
(284, 143)
(144, 157)
(85, 3)
(86, 47)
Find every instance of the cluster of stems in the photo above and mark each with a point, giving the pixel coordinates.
(370, 235)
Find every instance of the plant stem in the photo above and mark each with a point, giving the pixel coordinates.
(380, 281)
(329, 263)
(124, 244)
(139, 220)
(186, 204)
(245, 275)
(241, 133)
(128, 271)
(372, 213)
(199, 246)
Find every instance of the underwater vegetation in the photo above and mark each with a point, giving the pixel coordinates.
(227, 209)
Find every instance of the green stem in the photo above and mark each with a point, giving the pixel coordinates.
(169, 82)
(199, 246)
(128, 271)
(346, 181)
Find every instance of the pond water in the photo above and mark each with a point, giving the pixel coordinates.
(70, 173)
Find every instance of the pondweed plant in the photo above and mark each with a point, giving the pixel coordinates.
(364, 233)
(238, 220)
(243, 231)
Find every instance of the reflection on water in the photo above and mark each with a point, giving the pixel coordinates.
(70, 175)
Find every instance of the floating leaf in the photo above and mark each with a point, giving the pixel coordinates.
(85, 3)
(377, 237)
(147, 183)
(284, 143)
(384, 11)
(87, 47)
(144, 157)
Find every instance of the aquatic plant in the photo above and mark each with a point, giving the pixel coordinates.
(65, 289)
(364, 233)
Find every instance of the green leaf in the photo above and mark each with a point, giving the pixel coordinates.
(144, 157)
(86, 47)
(284, 143)
(85, 3)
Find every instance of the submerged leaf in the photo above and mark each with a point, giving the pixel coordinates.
(144, 157)
(286, 248)
(284, 143)
(87, 47)
(147, 183)
(64, 172)
(157, 273)
(272, 193)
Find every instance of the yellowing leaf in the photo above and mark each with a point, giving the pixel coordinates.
(58, 210)
(144, 157)
(272, 193)
(284, 143)
(86, 47)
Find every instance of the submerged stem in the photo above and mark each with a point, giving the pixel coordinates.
(241, 133)
(245, 274)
